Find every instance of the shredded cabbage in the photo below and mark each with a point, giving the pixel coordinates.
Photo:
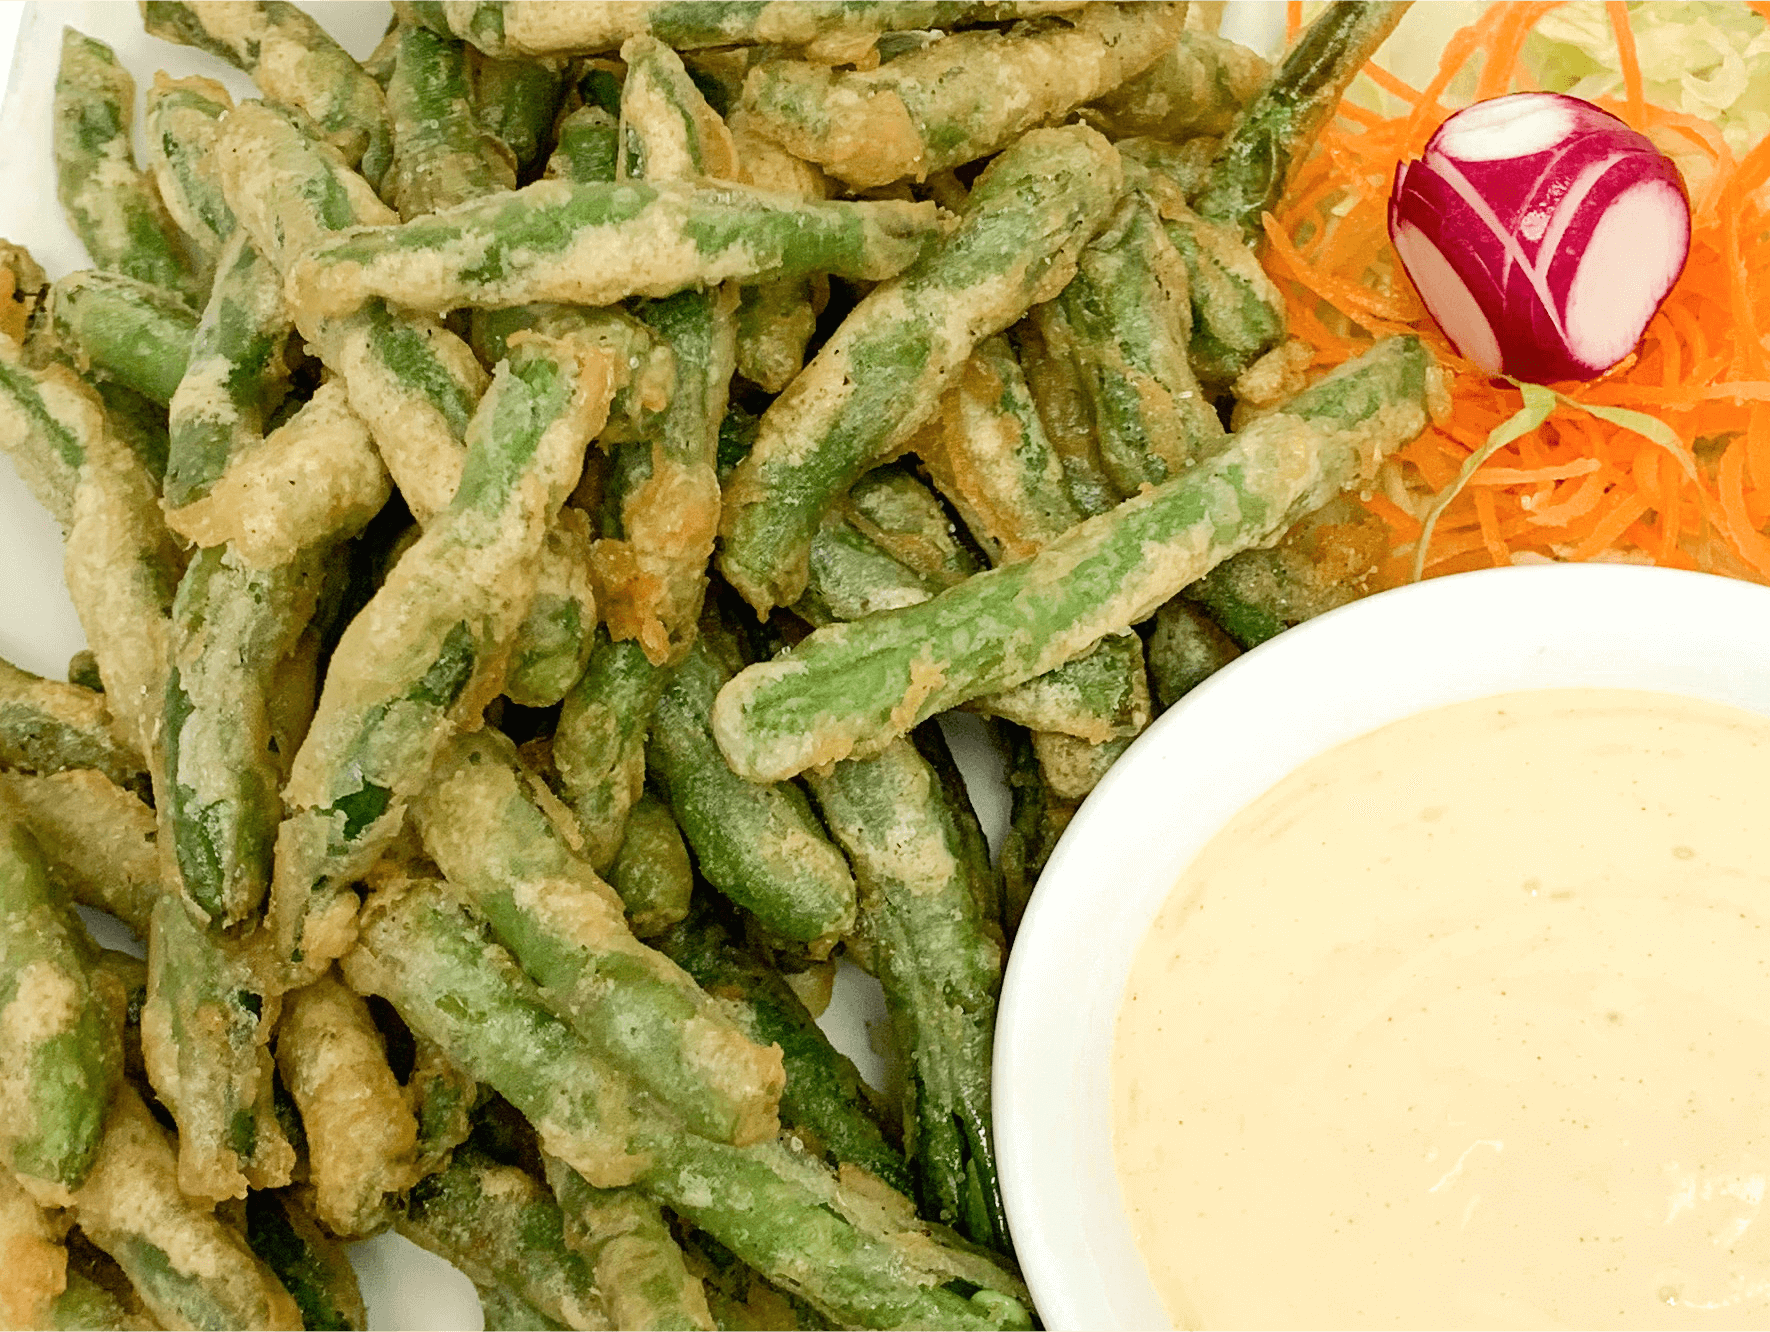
(1708, 60)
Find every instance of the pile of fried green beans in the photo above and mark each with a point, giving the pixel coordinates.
(529, 494)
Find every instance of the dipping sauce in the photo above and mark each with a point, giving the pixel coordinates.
(1466, 1023)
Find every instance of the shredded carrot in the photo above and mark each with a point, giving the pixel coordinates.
(1578, 487)
(1293, 20)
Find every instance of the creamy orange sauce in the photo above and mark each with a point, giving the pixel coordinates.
(1466, 1023)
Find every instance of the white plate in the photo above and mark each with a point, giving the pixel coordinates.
(1232, 738)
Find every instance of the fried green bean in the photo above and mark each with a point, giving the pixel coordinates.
(235, 377)
(852, 1247)
(1199, 86)
(123, 329)
(1327, 560)
(503, 1310)
(48, 727)
(1073, 767)
(587, 148)
(1125, 320)
(652, 871)
(23, 290)
(112, 207)
(414, 383)
(362, 1137)
(1186, 648)
(993, 460)
(599, 744)
(1238, 312)
(295, 62)
(824, 1103)
(98, 840)
(924, 932)
(529, 27)
(759, 845)
(183, 124)
(1099, 696)
(190, 1267)
(312, 1266)
(1273, 135)
(315, 478)
(957, 99)
(594, 244)
(1036, 820)
(59, 1058)
(668, 131)
(881, 374)
(442, 155)
(36, 1259)
(1055, 382)
(739, 1299)
(483, 825)
(501, 1226)
(232, 627)
(205, 1032)
(121, 566)
(639, 1265)
(517, 102)
(429, 647)
(847, 690)
(554, 642)
(442, 1097)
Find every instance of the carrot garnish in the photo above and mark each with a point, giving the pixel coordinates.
(1666, 458)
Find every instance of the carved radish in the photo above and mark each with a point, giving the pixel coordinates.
(1542, 233)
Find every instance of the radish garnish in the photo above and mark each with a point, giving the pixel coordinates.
(1542, 233)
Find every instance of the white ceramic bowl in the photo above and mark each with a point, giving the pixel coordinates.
(1314, 687)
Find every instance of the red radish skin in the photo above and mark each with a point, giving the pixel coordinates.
(1542, 233)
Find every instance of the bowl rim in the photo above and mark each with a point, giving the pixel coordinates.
(1386, 657)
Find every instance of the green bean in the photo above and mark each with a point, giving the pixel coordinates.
(124, 329)
(85, 1305)
(190, 1267)
(294, 62)
(668, 132)
(588, 147)
(139, 423)
(894, 508)
(361, 1135)
(645, 369)
(993, 460)
(594, 244)
(652, 871)
(957, 99)
(316, 478)
(852, 576)
(1185, 649)
(428, 647)
(49, 727)
(1199, 86)
(442, 155)
(1327, 560)
(847, 690)
(1237, 311)
(554, 641)
(517, 102)
(881, 374)
(502, 1227)
(121, 565)
(1055, 382)
(23, 290)
(205, 1032)
(1073, 767)
(232, 626)
(1099, 696)
(442, 1098)
(36, 1258)
(925, 932)
(98, 840)
(638, 1263)
(183, 125)
(112, 207)
(1273, 135)
(759, 845)
(1125, 320)
(59, 1058)
(502, 1310)
(737, 1295)
(527, 27)
(853, 1249)
(414, 383)
(1036, 820)
(824, 1103)
(599, 745)
(312, 1266)
(482, 825)
(1167, 172)
(236, 374)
